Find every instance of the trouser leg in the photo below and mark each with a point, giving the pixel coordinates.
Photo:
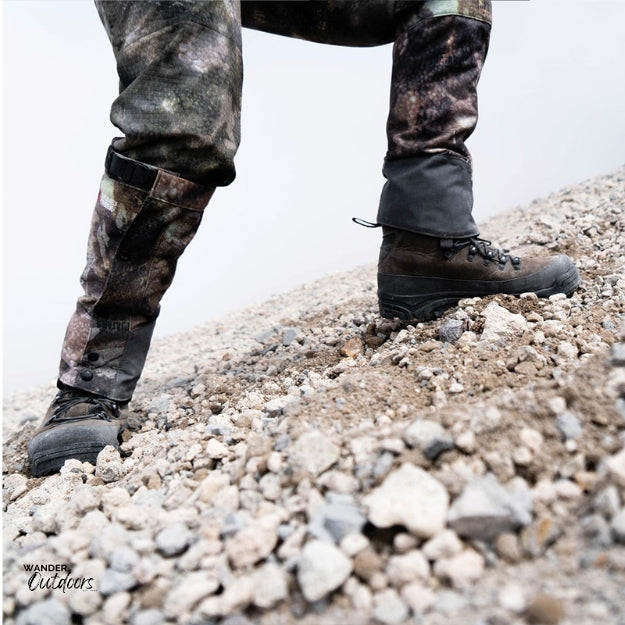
(437, 60)
(180, 72)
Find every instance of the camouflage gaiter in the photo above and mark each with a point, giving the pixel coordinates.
(136, 238)
(437, 60)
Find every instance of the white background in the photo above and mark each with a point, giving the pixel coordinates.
(552, 101)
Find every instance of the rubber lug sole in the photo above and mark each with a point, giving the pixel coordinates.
(49, 449)
(427, 306)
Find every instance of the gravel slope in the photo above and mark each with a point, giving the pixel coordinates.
(304, 461)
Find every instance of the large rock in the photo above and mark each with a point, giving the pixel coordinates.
(486, 508)
(322, 568)
(410, 497)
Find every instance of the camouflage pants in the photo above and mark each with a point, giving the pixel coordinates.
(180, 71)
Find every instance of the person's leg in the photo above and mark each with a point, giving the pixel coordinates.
(179, 108)
(430, 255)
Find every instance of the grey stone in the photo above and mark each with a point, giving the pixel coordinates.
(452, 329)
(322, 568)
(289, 336)
(569, 425)
(437, 446)
(123, 559)
(383, 465)
(596, 529)
(159, 405)
(48, 612)
(618, 526)
(336, 518)
(173, 539)
(617, 356)
(485, 509)
(115, 581)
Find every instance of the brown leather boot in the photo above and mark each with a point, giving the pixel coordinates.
(419, 276)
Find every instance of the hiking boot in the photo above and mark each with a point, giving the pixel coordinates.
(77, 425)
(419, 277)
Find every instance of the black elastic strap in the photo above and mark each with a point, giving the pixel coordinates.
(131, 172)
(365, 223)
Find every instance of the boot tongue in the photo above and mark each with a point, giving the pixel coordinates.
(82, 409)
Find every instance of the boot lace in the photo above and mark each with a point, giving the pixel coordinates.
(480, 247)
(106, 409)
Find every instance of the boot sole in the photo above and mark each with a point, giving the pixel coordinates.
(425, 299)
(48, 450)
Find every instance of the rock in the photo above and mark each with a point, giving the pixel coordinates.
(216, 450)
(512, 598)
(389, 608)
(159, 404)
(112, 582)
(173, 539)
(545, 609)
(461, 569)
(508, 547)
(418, 597)
(270, 586)
(406, 568)
(597, 531)
(487, 419)
(47, 612)
(354, 543)
(452, 329)
(485, 508)
(114, 607)
(322, 568)
(618, 526)
(367, 563)
(404, 542)
(410, 497)
(569, 425)
(314, 453)
(85, 603)
(352, 349)
(443, 545)
(289, 336)
(422, 432)
(539, 535)
(501, 323)
(616, 467)
(151, 616)
(14, 485)
(123, 559)
(187, 593)
(607, 501)
(359, 594)
(466, 442)
(109, 467)
(336, 518)
(253, 543)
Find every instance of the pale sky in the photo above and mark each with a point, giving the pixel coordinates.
(552, 97)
